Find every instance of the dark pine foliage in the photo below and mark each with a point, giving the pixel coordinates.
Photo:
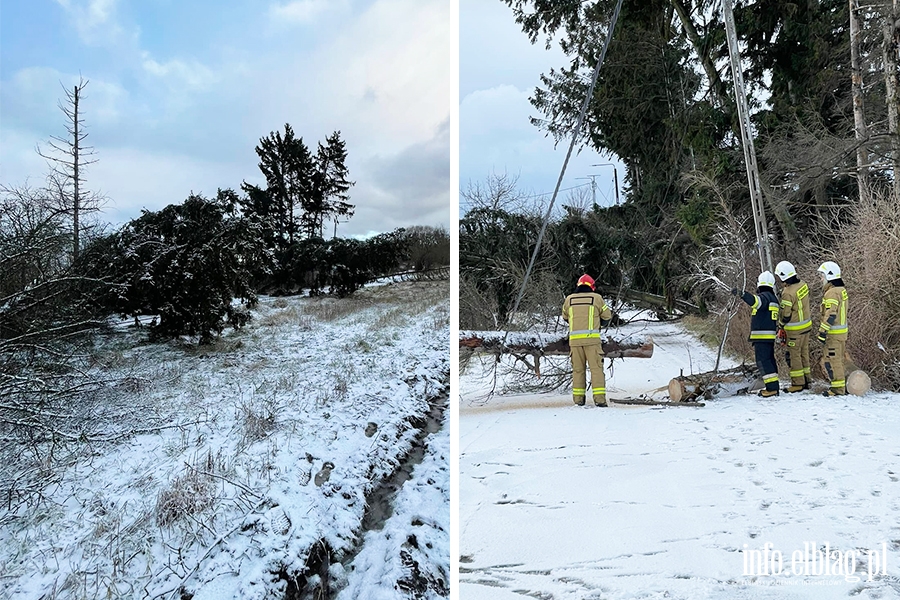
(185, 263)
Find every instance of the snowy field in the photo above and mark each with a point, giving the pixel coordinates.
(215, 484)
(565, 502)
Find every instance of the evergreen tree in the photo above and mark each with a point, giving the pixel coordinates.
(184, 263)
(289, 169)
(328, 198)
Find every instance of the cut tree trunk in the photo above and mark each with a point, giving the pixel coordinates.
(538, 344)
(522, 344)
(687, 388)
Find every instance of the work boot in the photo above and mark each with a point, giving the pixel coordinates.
(794, 388)
(601, 403)
(579, 401)
(830, 392)
(768, 393)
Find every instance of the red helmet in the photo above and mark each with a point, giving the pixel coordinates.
(586, 280)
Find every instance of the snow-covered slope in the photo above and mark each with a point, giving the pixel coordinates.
(228, 504)
(565, 502)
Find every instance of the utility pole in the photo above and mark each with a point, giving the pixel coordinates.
(593, 188)
(615, 177)
(743, 110)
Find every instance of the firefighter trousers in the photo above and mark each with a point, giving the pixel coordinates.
(797, 357)
(833, 359)
(765, 362)
(582, 357)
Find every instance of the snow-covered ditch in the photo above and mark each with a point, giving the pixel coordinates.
(229, 494)
(565, 502)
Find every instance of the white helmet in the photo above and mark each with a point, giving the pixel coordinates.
(785, 270)
(766, 279)
(830, 270)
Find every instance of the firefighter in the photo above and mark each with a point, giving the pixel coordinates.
(796, 323)
(763, 327)
(586, 312)
(833, 326)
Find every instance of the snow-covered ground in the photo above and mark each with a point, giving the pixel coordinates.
(566, 502)
(222, 496)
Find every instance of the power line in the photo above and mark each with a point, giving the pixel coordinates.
(575, 133)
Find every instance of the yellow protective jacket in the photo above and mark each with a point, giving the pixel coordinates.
(834, 312)
(585, 312)
(795, 314)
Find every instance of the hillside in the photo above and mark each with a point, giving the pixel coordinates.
(205, 472)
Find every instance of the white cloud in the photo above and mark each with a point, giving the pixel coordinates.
(387, 76)
(180, 73)
(301, 11)
(95, 20)
(380, 74)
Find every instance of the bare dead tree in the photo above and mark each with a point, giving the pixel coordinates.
(68, 158)
(499, 192)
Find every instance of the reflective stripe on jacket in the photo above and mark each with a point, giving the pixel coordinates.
(763, 316)
(585, 313)
(834, 312)
(795, 313)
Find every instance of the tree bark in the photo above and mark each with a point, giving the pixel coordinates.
(715, 82)
(76, 198)
(538, 344)
(859, 114)
(890, 47)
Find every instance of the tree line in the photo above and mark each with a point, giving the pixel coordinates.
(198, 266)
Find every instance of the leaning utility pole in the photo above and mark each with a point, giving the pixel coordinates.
(743, 110)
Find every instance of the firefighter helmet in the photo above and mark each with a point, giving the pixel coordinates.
(830, 270)
(766, 279)
(785, 270)
(586, 280)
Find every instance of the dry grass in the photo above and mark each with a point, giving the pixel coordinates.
(395, 317)
(285, 316)
(192, 492)
(868, 252)
(332, 309)
(257, 419)
(189, 494)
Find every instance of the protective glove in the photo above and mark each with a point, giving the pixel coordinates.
(821, 336)
(734, 291)
(782, 337)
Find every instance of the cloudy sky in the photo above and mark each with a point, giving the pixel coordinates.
(499, 70)
(181, 92)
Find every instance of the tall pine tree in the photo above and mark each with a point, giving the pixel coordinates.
(329, 198)
(288, 167)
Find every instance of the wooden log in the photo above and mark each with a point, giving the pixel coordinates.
(685, 388)
(545, 344)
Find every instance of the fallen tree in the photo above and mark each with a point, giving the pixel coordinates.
(522, 344)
